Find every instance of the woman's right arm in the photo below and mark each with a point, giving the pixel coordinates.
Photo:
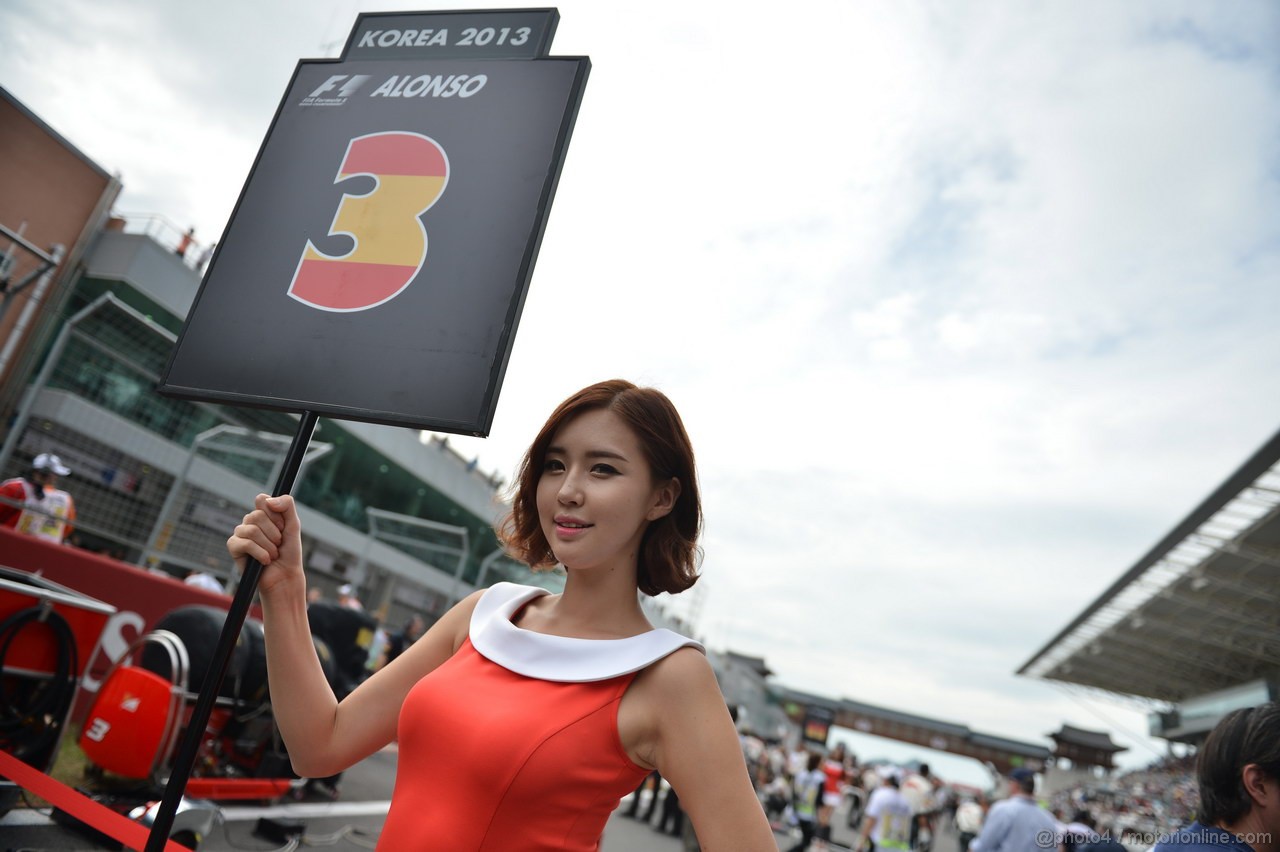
(322, 735)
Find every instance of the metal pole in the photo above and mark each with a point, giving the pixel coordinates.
(389, 581)
(43, 263)
(278, 464)
(486, 564)
(34, 302)
(190, 745)
(458, 585)
(361, 564)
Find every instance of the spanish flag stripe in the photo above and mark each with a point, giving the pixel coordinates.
(344, 285)
(395, 154)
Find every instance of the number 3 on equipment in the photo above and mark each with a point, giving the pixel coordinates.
(410, 172)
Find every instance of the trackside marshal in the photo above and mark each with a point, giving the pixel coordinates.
(378, 257)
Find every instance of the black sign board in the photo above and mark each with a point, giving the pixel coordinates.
(491, 34)
(378, 258)
(816, 727)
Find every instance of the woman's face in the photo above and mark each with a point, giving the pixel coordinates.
(596, 493)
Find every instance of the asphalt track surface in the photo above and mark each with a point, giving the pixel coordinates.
(352, 823)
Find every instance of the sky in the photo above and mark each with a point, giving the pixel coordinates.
(964, 304)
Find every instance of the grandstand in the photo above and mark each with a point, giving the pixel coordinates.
(1192, 630)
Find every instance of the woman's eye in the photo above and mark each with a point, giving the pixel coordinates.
(605, 469)
(553, 465)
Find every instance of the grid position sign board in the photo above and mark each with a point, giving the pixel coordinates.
(378, 258)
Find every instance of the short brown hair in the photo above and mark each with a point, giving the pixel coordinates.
(669, 553)
(1242, 737)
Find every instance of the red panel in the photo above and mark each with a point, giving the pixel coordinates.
(342, 285)
(237, 788)
(395, 154)
(36, 648)
(124, 727)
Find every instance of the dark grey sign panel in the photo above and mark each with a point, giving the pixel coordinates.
(488, 34)
(377, 261)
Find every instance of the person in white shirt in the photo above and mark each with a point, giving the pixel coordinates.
(969, 818)
(917, 788)
(347, 597)
(806, 796)
(887, 822)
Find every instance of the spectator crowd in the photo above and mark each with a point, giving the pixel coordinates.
(898, 808)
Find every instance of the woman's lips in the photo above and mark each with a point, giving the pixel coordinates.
(570, 529)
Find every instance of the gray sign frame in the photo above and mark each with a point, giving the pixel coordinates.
(487, 34)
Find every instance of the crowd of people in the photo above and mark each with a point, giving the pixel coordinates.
(898, 808)
(802, 787)
(1156, 799)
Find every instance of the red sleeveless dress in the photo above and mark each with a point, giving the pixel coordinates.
(512, 744)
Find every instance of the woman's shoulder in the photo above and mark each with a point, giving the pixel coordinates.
(682, 672)
(682, 679)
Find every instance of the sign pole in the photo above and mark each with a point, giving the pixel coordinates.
(189, 747)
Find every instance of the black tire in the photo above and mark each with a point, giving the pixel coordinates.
(189, 839)
(199, 627)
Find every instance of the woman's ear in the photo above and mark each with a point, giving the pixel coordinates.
(1255, 782)
(665, 497)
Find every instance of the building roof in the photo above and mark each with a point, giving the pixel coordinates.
(756, 664)
(1100, 740)
(939, 726)
(1198, 612)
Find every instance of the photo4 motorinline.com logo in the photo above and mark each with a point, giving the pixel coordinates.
(1051, 839)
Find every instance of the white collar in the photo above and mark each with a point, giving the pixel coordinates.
(559, 658)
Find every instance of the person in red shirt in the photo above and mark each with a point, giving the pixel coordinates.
(833, 775)
(185, 243)
(33, 504)
(522, 717)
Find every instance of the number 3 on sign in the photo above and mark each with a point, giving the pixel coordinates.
(409, 172)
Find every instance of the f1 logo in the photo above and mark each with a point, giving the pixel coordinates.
(409, 172)
(348, 88)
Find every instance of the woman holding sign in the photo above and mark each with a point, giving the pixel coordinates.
(523, 717)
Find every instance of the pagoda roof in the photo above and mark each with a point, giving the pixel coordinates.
(1099, 740)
